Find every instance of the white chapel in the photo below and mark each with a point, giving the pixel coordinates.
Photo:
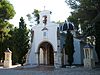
(47, 43)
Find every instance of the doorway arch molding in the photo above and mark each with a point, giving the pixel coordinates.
(37, 50)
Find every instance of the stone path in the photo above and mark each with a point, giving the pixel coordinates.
(50, 71)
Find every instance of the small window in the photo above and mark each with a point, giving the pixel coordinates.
(44, 34)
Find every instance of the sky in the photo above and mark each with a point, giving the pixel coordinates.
(60, 10)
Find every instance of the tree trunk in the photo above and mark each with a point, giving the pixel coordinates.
(97, 35)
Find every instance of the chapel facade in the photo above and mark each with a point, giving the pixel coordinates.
(47, 43)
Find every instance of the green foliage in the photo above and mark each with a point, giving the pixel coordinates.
(4, 39)
(6, 12)
(97, 36)
(74, 4)
(84, 13)
(69, 47)
(21, 40)
(74, 20)
(87, 12)
(36, 15)
(18, 42)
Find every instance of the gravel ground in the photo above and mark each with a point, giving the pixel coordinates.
(50, 71)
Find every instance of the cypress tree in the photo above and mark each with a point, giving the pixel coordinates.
(69, 47)
(22, 44)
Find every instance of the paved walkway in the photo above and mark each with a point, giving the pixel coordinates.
(50, 71)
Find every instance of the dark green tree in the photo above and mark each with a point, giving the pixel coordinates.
(36, 15)
(10, 42)
(74, 20)
(96, 27)
(14, 41)
(23, 41)
(87, 12)
(69, 47)
(84, 12)
(6, 12)
(20, 42)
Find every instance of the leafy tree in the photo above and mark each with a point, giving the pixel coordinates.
(96, 26)
(69, 47)
(84, 12)
(19, 42)
(87, 12)
(36, 15)
(6, 12)
(22, 41)
(74, 20)
(13, 41)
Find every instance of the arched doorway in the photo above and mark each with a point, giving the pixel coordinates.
(45, 54)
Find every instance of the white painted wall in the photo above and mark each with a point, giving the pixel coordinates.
(39, 38)
(77, 53)
(51, 35)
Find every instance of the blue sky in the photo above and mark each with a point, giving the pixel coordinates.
(60, 10)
